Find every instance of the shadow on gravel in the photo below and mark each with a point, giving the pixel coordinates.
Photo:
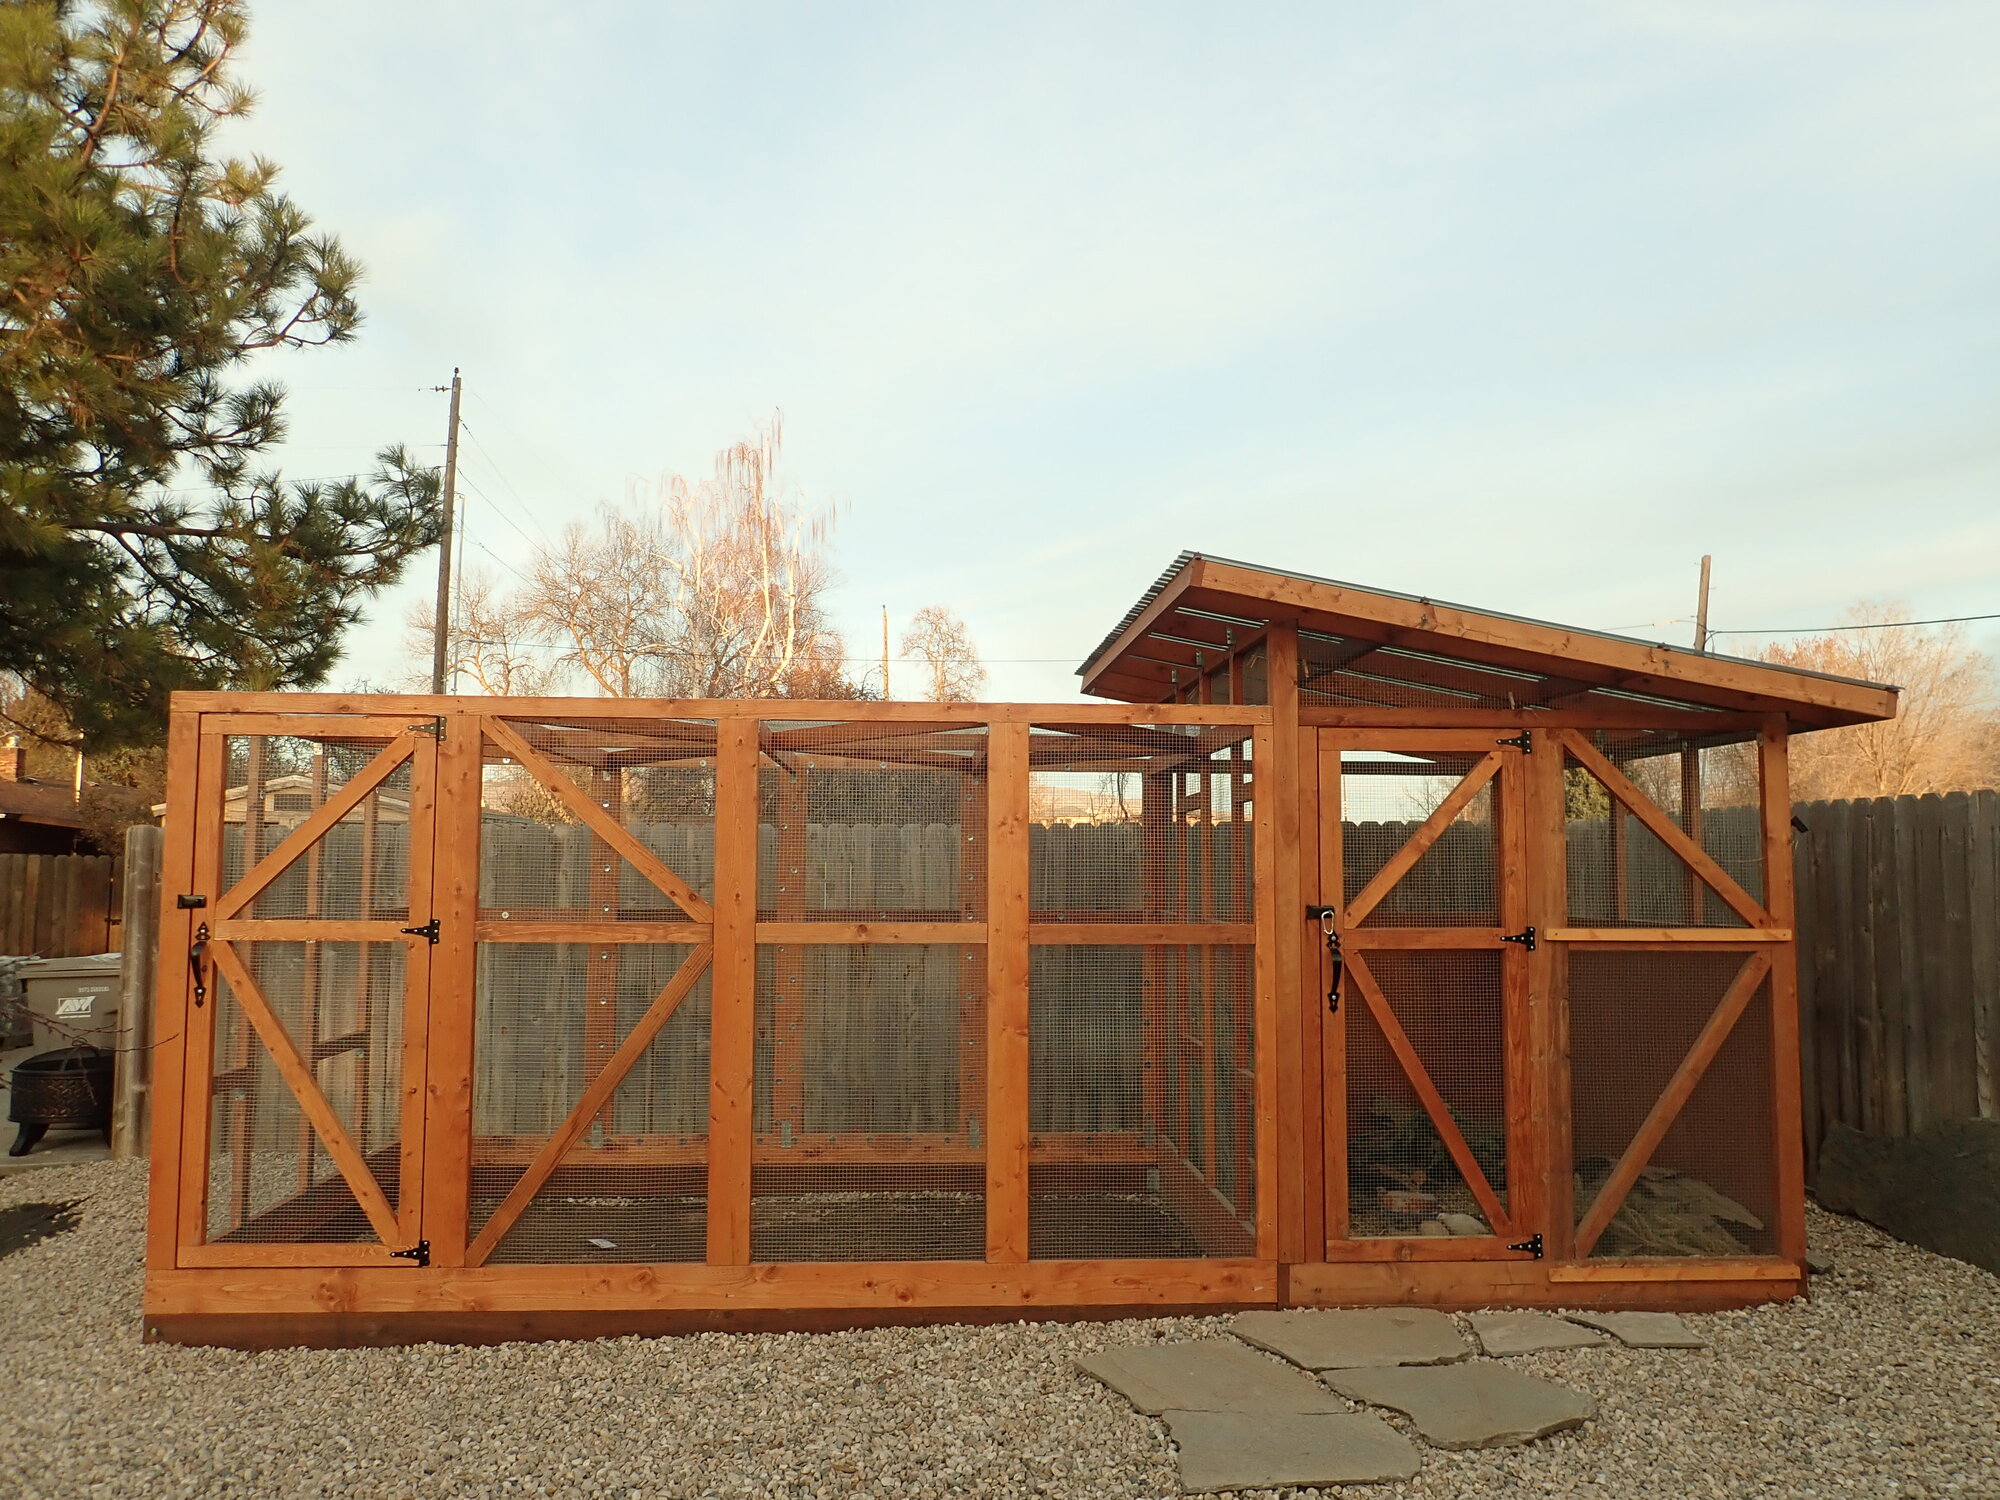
(28, 1224)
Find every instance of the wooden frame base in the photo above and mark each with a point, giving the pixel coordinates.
(269, 1307)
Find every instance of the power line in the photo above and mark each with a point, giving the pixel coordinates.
(1877, 625)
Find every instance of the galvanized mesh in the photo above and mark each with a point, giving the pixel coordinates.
(1386, 798)
(551, 1017)
(539, 862)
(1141, 823)
(872, 821)
(1402, 1174)
(1142, 1102)
(869, 1103)
(271, 1178)
(1622, 874)
(358, 869)
(1710, 1188)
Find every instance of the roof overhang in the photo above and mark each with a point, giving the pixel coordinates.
(1201, 605)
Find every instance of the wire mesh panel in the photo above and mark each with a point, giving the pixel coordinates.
(541, 860)
(1447, 1029)
(869, 1103)
(1142, 1102)
(358, 868)
(1623, 874)
(339, 1007)
(1709, 1189)
(1140, 822)
(1387, 798)
(557, 1021)
(872, 820)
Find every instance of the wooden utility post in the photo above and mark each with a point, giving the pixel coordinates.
(441, 631)
(1701, 609)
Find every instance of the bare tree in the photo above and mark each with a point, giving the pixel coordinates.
(495, 648)
(1946, 735)
(951, 668)
(707, 588)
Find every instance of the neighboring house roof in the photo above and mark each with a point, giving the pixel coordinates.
(288, 801)
(40, 802)
(1377, 647)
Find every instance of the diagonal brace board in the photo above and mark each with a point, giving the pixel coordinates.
(610, 830)
(312, 1103)
(1433, 1101)
(601, 1088)
(1420, 842)
(328, 813)
(1664, 828)
(1680, 1088)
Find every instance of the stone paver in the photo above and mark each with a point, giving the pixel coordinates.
(1643, 1330)
(1269, 1450)
(1469, 1406)
(1354, 1338)
(1215, 1375)
(1503, 1333)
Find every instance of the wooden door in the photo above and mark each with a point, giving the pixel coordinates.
(1424, 941)
(308, 980)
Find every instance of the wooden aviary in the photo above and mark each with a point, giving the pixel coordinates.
(1363, 949)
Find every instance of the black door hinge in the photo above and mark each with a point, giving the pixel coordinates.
(1525, 937)
(1532, 1245)
(435, 728)
(428, 932)
(420, 1252)
(1524, 742)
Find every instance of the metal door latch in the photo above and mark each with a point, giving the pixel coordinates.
(1524, 742)
(1525, 937)
(1324, 915)
(428, 932)
(1532, 1245)
(420, 1252)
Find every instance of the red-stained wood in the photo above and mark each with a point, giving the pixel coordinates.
(1277, 796)
(1518, 1040)
(1788, 1114)
(172, 1000)
(1334, 1022)
(596, 1095)
(733, 1004)
(1665, 829)
(1007, 1081)
(605, 826)
(1666, 1109)
(1550, 1162)
(311, 830)
(452, 1000)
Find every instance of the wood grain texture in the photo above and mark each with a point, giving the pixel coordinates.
(1007, 1003)
(733, 1003)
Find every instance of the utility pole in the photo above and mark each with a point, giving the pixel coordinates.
(1701, 609)
(441, 634)
(885, 653)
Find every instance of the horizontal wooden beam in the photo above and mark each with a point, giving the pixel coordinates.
(1670, 937)
(215, 707)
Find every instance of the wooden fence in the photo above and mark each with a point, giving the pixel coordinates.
(1899, 962)
(59, 905)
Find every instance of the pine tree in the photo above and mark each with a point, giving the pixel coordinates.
(141, 550)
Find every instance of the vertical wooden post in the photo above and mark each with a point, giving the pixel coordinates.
(1326, 1100)
(1788, 1120)
(600, 971)
(171, 1020)
(788, 1012)
(1510, 806)
(1547, 892)
(1007, 1082)
(1280, 783)
(972, 975)
(732, 1046)
(411, 1106)
(1155, 795)
(451, 1012)
(204, 773)
(138, 957)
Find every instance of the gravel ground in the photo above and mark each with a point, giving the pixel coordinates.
(1886, 1384)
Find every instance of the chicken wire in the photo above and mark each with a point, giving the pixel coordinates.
(1385, 798)
(869, 1103)
(1142, 1102)
(356, 870)
(1401, 1173)
(1710, 1189)
(1622, 874)
(550, 1018)
(271, 1179)
(1141, 823)
(653, 778)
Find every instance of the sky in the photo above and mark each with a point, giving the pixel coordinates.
(1524, 307)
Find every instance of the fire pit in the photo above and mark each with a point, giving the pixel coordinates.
(69, 1088)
